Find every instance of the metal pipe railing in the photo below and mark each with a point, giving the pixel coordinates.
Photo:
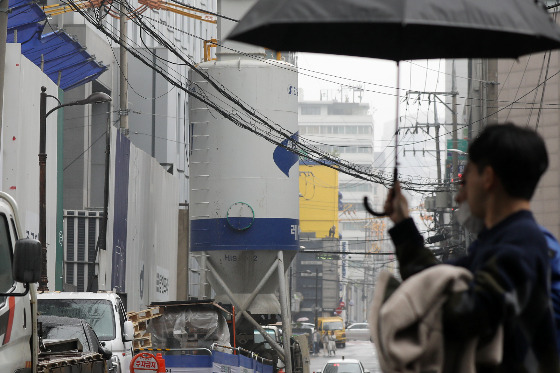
(240, 349)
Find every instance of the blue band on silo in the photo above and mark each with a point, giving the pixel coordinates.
(263, 234)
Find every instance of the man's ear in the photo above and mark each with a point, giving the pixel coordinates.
(489, 178)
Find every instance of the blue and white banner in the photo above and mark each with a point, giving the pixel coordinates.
(188, 363)
(224, 363)
(246, 364)
(218, 362)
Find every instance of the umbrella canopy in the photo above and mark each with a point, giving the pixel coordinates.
(401, 29)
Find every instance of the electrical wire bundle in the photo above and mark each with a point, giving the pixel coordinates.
(230, 106)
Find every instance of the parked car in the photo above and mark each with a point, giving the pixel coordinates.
(104, 311)
(344, 366)
(358, 331)
(55, 328)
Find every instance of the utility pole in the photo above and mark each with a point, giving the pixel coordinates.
(439, 213)
(436, 125)
(454, 155)
(492, 91)
(438, 157)
(124, 72)
(316, 295)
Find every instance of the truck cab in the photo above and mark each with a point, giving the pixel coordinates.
(104, 311)
(16, 323)
(336, 324)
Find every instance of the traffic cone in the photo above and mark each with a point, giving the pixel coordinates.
(160, 362)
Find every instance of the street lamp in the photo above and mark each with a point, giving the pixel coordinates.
(94, 98)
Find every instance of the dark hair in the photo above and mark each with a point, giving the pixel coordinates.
(517, 155)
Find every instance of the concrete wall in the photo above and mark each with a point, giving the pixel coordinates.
(85, 126)
(158, 119)
(84, 149)
(149, 94)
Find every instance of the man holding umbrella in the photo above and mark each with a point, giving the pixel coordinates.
(509, 260)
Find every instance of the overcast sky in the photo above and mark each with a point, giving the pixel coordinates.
(378, 78)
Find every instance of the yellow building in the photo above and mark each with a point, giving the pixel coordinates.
(318, 199)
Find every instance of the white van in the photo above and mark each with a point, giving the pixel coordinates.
(105, 313)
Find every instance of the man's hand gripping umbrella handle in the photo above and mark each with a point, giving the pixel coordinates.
(396, 205)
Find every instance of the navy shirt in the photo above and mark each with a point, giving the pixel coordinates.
(554, 253)
(510, 264)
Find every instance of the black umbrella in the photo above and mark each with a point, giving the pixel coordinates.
(401, 29)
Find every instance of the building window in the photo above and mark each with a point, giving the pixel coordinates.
(326, 129)
(364, 130)
(315, 130)
(310, 110)
(340, 130)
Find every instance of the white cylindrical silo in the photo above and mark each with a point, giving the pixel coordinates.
(244, 201)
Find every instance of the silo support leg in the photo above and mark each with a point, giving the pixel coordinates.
(286, 317)
(203, 282)
(266, 336)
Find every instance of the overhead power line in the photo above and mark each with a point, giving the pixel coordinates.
(244, 115)
(205, 11)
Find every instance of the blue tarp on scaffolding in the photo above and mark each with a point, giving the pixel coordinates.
(24, 12)
(25, 33)
(78, 74)
(61, 57)
(49, 45)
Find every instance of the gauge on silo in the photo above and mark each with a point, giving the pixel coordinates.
(240, 216)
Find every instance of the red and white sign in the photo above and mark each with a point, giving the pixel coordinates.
(144, 363)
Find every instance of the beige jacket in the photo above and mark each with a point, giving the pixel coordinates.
(405, 322)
